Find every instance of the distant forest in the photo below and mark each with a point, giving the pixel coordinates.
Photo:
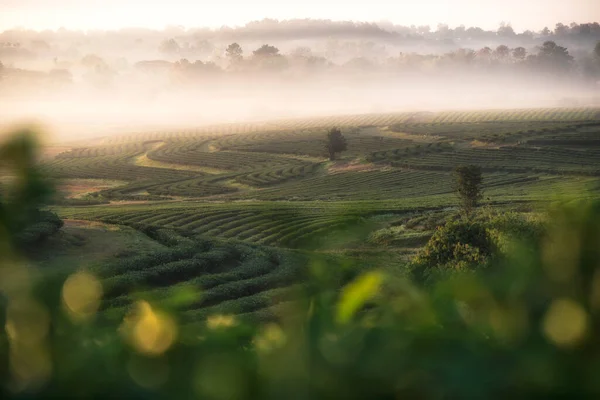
(295, 49)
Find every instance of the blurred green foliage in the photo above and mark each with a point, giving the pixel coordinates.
(526, 326)
(26, 191)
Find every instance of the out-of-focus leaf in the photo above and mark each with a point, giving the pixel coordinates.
(356, 294)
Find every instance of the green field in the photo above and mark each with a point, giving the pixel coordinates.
(239, 210)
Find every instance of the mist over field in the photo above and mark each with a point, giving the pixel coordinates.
(83, 84)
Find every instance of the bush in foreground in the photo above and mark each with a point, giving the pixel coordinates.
(526, 329)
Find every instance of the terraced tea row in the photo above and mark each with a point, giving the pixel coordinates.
(230, 278)
(414, 150)
(497, 131)
(344, 121)
(537, 114)
(280, 226)
(194, 153)
(112, 162)
(309, 142)
(361, 120)
(275, 176)
(585, 136)
(517, 159)
(544, 114)
(203, 133)
(432, 187)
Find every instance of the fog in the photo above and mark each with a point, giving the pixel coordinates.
(84, 85)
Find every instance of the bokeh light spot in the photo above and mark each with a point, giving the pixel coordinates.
(565, 323)
(270, 338)
(220, 321)
(81, 295)
(151, 332)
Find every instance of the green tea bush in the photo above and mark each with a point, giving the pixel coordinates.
(42, 226)
(458, 245)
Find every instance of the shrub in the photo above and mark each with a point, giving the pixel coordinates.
(459, 245)
(44, 225)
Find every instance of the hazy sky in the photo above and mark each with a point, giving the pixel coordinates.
(111, 14)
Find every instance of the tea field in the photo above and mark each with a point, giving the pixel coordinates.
(241, 209)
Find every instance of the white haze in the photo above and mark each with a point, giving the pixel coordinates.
(364, 69)
(86, 112)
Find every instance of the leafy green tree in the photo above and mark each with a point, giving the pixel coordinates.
(336, 142)
(456, 246)
(468, 186)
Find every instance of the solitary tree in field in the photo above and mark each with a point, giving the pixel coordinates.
(468, 182)
(336, 142)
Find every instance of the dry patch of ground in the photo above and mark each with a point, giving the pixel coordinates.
(412, 136)
(143, 161)
(209, 147)
(352, 167)
(129, 202)
(78, 188)
(237, 185)
(484, 145)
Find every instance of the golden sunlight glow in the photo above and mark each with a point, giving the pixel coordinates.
(150, 332)
(220, 321)
(81, 295)
(27, 326)
(565, 323)
(271, 337)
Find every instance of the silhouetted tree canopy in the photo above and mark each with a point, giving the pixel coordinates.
(336, 142)
(468, 186)
(266, 51)
(554, 58)
(519, 53)
(234, 52)
(170, 46)
(502, 52)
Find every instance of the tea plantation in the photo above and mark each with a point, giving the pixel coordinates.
(242, 208)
